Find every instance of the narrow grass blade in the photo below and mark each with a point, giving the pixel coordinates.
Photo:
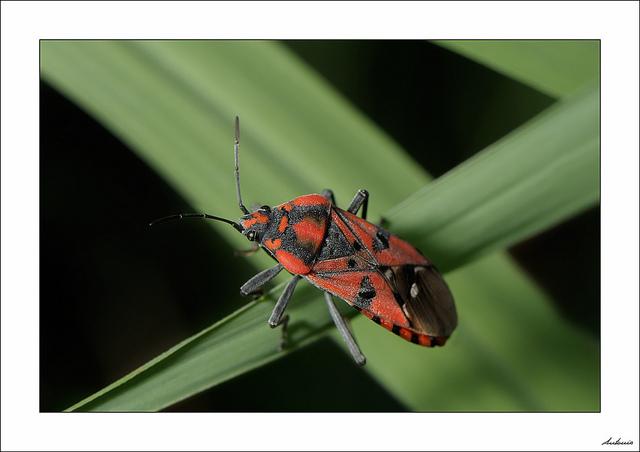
(230, 347)
(554, 67)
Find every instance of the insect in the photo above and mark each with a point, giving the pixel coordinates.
(379, 274)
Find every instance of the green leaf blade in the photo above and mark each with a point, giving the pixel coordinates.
(555, 67)
(233, 346)
(540, 174)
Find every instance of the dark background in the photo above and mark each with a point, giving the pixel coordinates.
(96, 321)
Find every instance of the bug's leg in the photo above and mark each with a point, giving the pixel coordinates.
(345, 332)
(281, 305)
(384, 223)
(328, 193)
(277, 317)
(248, 252)
(360, 199)
(260, 280)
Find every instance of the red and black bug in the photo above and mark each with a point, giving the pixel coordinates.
(382, 276)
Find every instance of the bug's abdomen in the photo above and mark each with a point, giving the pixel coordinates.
(408, 334)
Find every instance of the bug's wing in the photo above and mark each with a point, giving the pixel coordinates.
(408, 296)
(424, 297)
(379, 246)
(384, 277)
(365, 289)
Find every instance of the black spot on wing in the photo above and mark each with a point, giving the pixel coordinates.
(366, 293)
(381, 241)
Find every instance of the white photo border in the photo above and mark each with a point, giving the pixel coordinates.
(25, 23)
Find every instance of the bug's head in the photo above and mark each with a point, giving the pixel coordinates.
(252, 225)
(255, 224)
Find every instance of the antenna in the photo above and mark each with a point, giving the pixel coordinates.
(236, 152)
(205, 216)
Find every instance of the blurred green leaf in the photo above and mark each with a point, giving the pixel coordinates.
(540, 174)
(554, 67)
(173, 102)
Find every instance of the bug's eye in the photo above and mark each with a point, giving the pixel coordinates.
(266, 208)
(251, 235)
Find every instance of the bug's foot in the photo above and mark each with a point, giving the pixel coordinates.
(383, 223)
(284, 336)
(247, 252)
(255, 294)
